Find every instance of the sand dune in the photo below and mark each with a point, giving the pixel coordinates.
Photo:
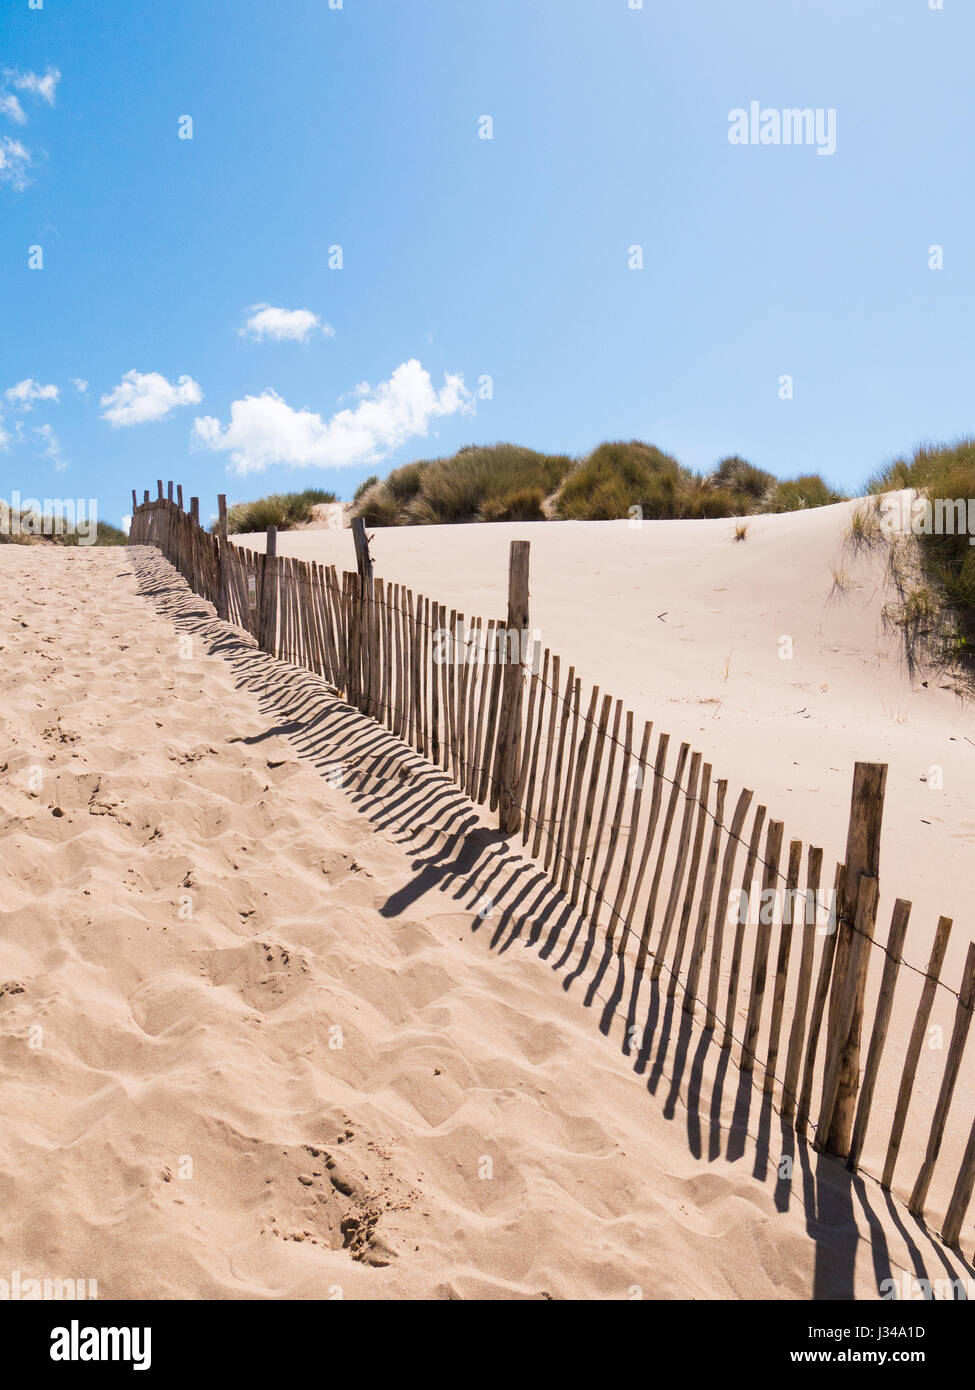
(308, 1028)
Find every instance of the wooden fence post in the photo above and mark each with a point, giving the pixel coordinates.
(195, 509)
(845, 991)
(362, 613)
(862, 857)
(508, 763)
(159, 485)
(223, 578)
(268, 614)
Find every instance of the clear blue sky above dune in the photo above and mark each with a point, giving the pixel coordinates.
(509, 258)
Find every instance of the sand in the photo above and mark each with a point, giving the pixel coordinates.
(282, 1016)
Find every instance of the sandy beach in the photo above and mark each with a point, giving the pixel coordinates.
(282, 1014)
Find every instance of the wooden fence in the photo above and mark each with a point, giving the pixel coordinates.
(647, 844)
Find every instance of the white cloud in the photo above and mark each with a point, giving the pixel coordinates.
(280, 324)
(80, 385)
(52, 447)
(14, 159)
(266, 430)
(43, 87)
(26, 392)
(4, 436)
(10, 106)
(144, 396)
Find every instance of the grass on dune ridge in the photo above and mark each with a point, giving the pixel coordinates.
(283, 510)
(504, 482)
(37, 528)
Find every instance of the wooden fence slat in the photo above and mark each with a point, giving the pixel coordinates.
(961, 1195)
(763, 940)
(744, 908)
(935, 963)
(445, 647)
(707, 892)
(490, 787)
(959, 1035)
(660, 762)
(570, 689)
(526, 790)
(721, 906)
(820, 996)
(456, 622)
(463, 680)
(895, 943)
(617, 821)
(683, 846)
(675, 792)
(692, 873)
(480, 683)
(814, 865)
(782, 964)
(571, 812)
(586, 824)
(603, 809)
(553, 716)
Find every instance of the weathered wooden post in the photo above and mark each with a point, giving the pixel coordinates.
(160, 487)
(135, 504)
(852, 957)
(179, 496)
(195, 509)
(508, 761)
(223, 579)
(169, 491)
(268, 594)
(362, 615)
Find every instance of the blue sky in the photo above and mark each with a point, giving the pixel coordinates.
(506, 258)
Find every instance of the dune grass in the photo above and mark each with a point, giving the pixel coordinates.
(283, 510)
(937, 602)
(36, 528)
(498, 482)
(618, 479)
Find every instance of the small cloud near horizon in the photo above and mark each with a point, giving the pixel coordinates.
(265, 430)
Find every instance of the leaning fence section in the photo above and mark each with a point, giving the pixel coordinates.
(778, 953)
